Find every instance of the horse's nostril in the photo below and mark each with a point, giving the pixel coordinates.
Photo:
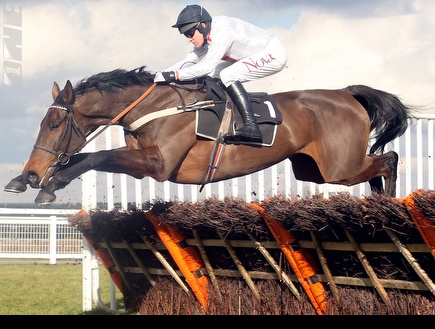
(32, 178)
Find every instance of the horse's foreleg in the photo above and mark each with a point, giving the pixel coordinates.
(138, 163)
(75, 167)
(16, 185)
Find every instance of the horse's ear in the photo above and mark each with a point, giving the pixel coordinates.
(55, 91)
(68, 94)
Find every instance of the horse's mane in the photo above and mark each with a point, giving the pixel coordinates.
(114, 80)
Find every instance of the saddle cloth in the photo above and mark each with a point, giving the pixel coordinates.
(266, 113)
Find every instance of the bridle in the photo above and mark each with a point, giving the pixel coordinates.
(64, 157)
(71, 126)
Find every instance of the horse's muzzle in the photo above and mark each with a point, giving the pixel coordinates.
(32, 179)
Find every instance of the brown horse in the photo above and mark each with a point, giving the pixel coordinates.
(325, 134)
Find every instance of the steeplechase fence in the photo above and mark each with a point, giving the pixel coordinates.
(416, 171)
(343, 255)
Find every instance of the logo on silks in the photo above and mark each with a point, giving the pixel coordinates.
(253, 65)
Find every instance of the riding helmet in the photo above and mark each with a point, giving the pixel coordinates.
(191, 16)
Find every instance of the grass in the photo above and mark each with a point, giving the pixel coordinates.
(42, 289)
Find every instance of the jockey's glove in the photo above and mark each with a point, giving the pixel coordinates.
(165, 76)
(169, 76)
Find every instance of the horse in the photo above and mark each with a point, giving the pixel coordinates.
(325, 133)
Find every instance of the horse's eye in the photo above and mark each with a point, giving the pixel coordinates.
(54, 125)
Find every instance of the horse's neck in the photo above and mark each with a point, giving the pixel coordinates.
(130, 104)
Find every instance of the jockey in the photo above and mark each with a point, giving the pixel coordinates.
(231, 50)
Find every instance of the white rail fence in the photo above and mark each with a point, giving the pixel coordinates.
(47, 235)
(38, 234)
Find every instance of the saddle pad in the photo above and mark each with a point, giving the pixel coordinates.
(266, 113)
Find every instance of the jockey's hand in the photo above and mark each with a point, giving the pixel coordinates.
(169, 76)
(165, 76)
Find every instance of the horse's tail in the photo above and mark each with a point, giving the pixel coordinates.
(388, 115)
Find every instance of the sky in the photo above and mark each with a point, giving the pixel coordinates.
(386, 44)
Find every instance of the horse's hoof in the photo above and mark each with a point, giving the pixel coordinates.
(45, 197)
(15, 186)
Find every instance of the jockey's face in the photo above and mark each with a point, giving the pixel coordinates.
(196, 37)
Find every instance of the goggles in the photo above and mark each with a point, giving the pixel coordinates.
(190, 32)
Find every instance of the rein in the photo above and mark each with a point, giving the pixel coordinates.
(119, 116)
(71, 125)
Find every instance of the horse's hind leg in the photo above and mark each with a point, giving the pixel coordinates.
(376, 185)
(384, 165)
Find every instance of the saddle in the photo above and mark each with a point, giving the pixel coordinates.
(209, 118)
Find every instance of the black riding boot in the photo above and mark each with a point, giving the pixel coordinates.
(250, 131)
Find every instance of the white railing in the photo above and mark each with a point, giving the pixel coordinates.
(416, 170)
(46, 234)
(38, 234)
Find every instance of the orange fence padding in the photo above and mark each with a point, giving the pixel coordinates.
(424, 225)
(108, 263)
(303, 267)
(186, 257)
